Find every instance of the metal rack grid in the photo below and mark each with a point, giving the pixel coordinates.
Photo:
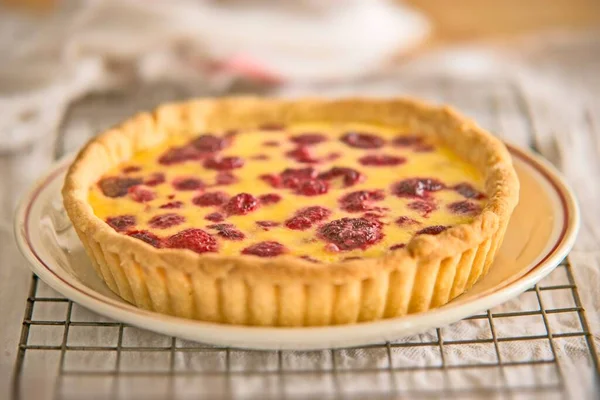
(65, 338)
(336, 373)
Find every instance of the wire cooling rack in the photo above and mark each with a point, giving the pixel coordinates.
(67, 352)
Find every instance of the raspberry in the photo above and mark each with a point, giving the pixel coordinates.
(223, 163)
(178, 155)
(464, 207)
(265, 249)
(193, 239)
(272, 180)
(302, 154)
(361, 140)
(417, 187)
(312, 187)
(268, 199)
(215, 217)
(307, 139)
(424, 148)
(131, 168)
(140, 194)
(432, 230)
(155, 179)
(300, 173)
(121, 223)
(468, 191)
(241, 204)
(188, 184)
(225, 178)
(314, 213)
(272, 127)
(171, 205)
(381, 160)
(408, 140)
(165, 221)
(406, 221)
(398, 246)
(359, 201)
(351, 233)
(114, 186)
(210, 143)
(227, 231)
(423, 207)
(267, 224)
(298, 223)
(210, 199)
(350, 176)
(147, 237)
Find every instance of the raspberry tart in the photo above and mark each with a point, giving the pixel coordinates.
(292, 213)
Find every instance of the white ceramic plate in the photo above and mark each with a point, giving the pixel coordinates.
(540, 235)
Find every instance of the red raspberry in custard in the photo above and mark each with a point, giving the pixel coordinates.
(351, 233)
(416, 187)
(468, 191)
(155, 179)
(241, 204)
(225, 178)
(140, 194)
(147, 237)
(268, 199)
(362, 140)
(432, 230)
(298, 223)
(406, 221)
(121, 223)
(302, 154)
(223, 163)
(307, 139)
(115, 186)
(360, 200)
(350, 176)
(227, 231)
(215, 217)
(381, 160)
(210, 199)
(210, 143)
(312, 187)
(193, 239)
(267, 224)
(165, 221)
(272, 126)
(408, 140)
(272, 180)
(265, 249)
(464, 207)
(185, 184)
(423, 207)
(131, 168)
(177, 155)
(314, 213)
(172, 205)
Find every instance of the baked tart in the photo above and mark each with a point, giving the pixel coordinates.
(292, 213)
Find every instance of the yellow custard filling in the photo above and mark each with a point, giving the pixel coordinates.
(266, 152)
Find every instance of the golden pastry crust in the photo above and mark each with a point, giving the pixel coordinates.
(286, 290)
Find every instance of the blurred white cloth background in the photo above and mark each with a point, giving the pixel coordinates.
(102, 44)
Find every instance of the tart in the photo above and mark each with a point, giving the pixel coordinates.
(292, 213)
